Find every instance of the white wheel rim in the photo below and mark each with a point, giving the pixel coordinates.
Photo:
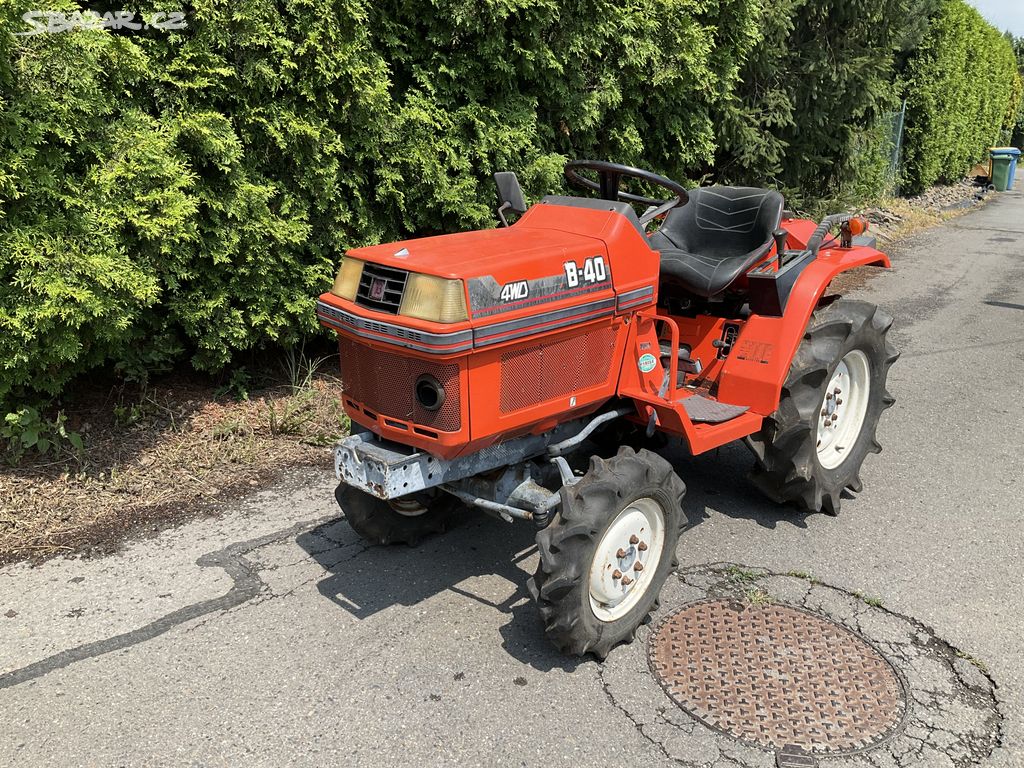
(843, 408)
(407, 507)
(635, 538)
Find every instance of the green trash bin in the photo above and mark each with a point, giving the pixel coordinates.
(1002, 167)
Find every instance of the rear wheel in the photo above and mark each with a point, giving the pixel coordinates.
(606, 555)
(398, 521)
(812, 448)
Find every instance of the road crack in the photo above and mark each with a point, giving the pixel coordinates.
(246, 585)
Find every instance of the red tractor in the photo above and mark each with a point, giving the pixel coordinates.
(521, 370)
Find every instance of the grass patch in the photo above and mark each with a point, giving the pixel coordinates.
(741, 576)
(806, 576)
(757, 596)
(874, 602)
(972, 660)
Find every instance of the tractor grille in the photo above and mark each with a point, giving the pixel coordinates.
(381, 288)
(383, 382)
(542, 372)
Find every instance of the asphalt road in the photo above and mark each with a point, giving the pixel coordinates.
(271, 636)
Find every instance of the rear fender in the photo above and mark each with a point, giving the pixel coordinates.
(757, 367)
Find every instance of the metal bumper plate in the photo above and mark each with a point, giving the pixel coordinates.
(389, 470)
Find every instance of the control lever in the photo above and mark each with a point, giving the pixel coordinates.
(781, 236)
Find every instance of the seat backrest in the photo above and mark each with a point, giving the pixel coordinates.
(722, 222)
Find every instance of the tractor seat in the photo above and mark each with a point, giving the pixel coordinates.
(716, 237)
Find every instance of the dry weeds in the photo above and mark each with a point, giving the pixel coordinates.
(175, 452)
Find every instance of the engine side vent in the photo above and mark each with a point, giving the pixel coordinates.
(385, 383)
(381, 288)
(542, 372)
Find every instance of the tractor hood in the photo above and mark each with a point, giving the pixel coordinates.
(554, 255)
(542, 308)
(466, 255)
(557, 266)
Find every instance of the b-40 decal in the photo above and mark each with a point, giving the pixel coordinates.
(592, 271)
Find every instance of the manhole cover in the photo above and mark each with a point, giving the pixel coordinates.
(776, 676)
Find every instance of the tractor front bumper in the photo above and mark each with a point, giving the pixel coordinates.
(384, 469)
(390, 470)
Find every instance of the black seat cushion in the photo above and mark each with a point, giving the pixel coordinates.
(712, 240)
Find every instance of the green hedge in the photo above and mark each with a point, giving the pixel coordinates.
(170, 195)
(963, 95)
(1017, 134)
(811, 111)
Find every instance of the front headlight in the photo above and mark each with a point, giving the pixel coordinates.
(434, 298)
(347, 282)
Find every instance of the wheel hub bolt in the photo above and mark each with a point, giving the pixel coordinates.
(626, 580)
(839, 401)
(638, 566)
(621, 553)
(616, 574)
(642, 546)
(634, 539)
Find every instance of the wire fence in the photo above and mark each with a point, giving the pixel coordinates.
(898, 121)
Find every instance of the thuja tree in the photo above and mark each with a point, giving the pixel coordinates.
(183, 195)
(805, 113)
(963, 92)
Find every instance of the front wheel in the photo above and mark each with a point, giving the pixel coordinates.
(398, 521)
(812, 448)
(606, 555)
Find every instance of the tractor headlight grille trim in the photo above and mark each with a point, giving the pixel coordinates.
(400, 292)
(381, 288)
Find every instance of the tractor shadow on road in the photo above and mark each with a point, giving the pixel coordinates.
(489, 561)
(716, 483)
(481, 559)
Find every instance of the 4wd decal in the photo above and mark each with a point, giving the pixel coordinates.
(515, 291)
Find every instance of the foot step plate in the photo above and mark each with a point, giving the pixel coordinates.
(701, 409)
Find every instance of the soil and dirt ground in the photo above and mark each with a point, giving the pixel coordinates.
(156, 456)
(270, 635)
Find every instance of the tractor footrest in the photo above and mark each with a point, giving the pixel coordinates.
(701, 409)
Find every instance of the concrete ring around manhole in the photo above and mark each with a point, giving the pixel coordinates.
(744, 667)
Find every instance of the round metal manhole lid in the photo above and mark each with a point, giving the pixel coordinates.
(776, 676)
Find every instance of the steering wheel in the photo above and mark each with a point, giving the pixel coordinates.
(607, 186)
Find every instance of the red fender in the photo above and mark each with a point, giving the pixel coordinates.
(757, 367)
